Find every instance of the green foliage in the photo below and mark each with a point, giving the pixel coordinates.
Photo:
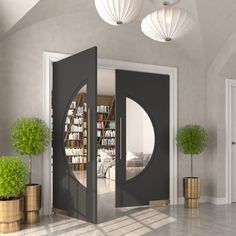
(13, 176)
(192, 139)
(30, 136)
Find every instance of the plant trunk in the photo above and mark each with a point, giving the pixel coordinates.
(191, 165)
(30, 169)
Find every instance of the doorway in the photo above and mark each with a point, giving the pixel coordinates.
(133, 140)
(230, 189)
(108, 64)
(106, 149)
(233, 135)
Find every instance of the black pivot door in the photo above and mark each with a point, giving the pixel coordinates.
(70, 75)
(142, 126)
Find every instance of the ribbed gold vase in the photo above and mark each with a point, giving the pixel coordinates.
(10, 215)
(32, 203)
(191, 191)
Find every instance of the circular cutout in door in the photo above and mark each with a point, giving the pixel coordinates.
(140, 139)
(75, 136)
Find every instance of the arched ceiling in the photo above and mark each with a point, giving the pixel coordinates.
(11, 11)
(215, 21)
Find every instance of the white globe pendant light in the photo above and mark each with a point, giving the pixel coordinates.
(168, 23)
(118, 12)
(170, 2)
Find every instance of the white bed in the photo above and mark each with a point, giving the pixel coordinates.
(134, 165)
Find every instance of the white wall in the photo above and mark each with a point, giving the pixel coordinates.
(222, 67)
(106, 82)
(134, 127)
(140, 133)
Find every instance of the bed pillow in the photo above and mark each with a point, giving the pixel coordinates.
(132, 156)
(105, 156)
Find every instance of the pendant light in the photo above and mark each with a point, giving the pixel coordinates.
(168, 23)
(170, 2)
(118, 12)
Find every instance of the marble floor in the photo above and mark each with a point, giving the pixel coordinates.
(168, 221)
(208, 220)
(106, 200)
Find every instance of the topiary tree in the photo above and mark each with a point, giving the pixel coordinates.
(30, 136)
(192, 139)
(13, 177)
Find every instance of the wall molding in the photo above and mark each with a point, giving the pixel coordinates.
(229, 84)
(207, 199)
(49, 58)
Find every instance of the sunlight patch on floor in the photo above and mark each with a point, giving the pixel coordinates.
(133, 224)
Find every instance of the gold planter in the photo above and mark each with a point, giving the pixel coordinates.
(32, 203)
(10, 215)
(191, 191)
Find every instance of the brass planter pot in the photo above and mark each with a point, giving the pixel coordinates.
(32, 203)
(10, 215)
(191, 191)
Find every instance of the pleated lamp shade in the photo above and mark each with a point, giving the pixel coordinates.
(117, 12)
(168, 23)
(170, 2)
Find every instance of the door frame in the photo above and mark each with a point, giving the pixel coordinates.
(229, 85)
(49, 58)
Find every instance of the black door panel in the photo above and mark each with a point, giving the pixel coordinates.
(69, 75)
(151, 92)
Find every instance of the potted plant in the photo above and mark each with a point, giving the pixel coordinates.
(13, 178)
(30, 136)
(192, 140)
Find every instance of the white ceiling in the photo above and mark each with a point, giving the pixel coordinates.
(215, 20)
(11, 11)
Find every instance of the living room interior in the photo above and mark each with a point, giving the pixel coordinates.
(119, 96)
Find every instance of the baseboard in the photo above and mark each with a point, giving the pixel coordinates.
(218, 201)
(205, 199)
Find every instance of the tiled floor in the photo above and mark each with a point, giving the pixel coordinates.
(171, 221)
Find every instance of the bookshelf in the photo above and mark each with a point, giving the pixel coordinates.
(75, 137)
